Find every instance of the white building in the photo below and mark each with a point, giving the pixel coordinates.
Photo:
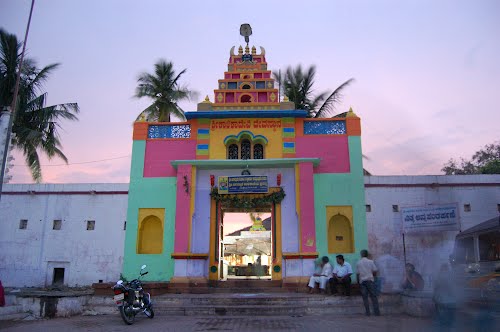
(74, 233)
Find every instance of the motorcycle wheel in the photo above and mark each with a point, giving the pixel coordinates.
(149, 312)
(127, 314)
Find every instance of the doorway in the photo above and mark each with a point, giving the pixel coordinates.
(246, 245)
(230, 253)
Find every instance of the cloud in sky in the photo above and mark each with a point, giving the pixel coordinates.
(427, 73)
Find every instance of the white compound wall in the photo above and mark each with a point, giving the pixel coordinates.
(427, 250)
(28, 256)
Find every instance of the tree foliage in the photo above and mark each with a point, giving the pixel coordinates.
(164, 89)
(484, 161)
(35, 124)
(297, 84)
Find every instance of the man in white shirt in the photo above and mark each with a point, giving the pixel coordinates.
(366, 271)
(322, 277)
(341, 275)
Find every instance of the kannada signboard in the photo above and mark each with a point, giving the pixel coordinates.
(430, 218)
(248, 184)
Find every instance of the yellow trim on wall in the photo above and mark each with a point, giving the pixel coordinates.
(338, 215)
(279, 260)
(154, 246)
(211, 249)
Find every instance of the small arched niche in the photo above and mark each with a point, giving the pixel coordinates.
(246, 99)
(340, 236)
(150, 236)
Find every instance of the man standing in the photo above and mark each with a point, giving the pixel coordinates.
(341, 275)
(366, 270)
(322, 277)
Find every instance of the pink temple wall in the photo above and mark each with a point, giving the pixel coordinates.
(229, 97)
(333, 151)
(307, 221)
(262, 97)
(159, 153)
(182, 209)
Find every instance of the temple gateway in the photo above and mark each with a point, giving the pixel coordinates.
(299, 179)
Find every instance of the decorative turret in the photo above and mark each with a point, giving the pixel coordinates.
(247, 84)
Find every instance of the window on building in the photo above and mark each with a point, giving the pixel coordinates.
(368, 208)
(57, 225)
(233, 151)
(498, 207)
(58, 278)
(125, 225)
(246, 86)
(23, 224)
(245, 149)
(258, 151)
(395, 208)
(467, 208)
(90, 225)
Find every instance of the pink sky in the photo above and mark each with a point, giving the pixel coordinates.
(427, 72)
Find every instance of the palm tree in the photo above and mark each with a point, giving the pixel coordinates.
(163, 88)
(35, 125)
(297, 85)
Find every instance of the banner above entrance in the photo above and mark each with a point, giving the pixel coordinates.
(249, 184)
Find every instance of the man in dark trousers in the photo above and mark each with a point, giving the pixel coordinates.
(341, 275)
(366, 271)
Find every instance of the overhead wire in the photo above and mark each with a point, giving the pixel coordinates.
(83, 162)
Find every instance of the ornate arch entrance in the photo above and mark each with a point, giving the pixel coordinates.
(244, 203)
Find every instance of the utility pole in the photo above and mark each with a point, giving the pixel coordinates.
(12, 110)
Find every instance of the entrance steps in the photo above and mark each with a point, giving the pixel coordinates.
(228, 286)
(257, 304)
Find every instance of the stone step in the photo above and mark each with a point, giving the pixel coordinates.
(252, 304)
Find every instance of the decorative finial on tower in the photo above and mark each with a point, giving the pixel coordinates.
(246, 31)
(207, 100)
(350, 113)
(247, 49)
(240, 50)
(254, 50)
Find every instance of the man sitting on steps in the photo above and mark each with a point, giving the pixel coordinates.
(321, 278)
(341, 275)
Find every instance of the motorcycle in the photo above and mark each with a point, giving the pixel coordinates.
(132, 299)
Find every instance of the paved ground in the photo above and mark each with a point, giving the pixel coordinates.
(186, 323)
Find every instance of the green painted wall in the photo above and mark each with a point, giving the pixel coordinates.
(149, 193)
(342, 189)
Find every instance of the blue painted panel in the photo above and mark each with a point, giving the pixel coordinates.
(324, 127)
(289, 130)
(169, 131)
(288, 144)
